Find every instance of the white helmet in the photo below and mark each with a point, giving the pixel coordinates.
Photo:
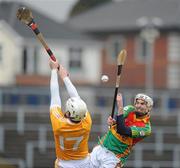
(146, 98)
(77, 108)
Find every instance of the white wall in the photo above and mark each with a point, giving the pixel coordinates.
(92, 62)
(91, 59)
(10, 55)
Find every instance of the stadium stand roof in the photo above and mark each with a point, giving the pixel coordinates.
(124, 15)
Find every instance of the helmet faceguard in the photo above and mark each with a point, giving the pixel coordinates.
(147, 99)
(77, 108)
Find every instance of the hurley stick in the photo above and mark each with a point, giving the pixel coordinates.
(25, 16)
(120, 62)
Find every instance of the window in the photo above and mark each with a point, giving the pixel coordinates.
(29, 59)
(25, 99)
(115, 45)
(173, 103)
(173, 78)
(142, 49)
(10, 98)
(75, 59)
(24, 60)
(35, 61)
(33, 99)
(173, 47)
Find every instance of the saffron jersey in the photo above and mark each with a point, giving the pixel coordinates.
(71, 139)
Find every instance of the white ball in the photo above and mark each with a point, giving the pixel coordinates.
(104, 78)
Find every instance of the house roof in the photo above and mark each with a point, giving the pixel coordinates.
(127, 15)
(48, 27)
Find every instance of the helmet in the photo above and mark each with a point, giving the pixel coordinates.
(146, 98)
(77, 108)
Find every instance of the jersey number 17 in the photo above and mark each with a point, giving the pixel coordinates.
(77, 141)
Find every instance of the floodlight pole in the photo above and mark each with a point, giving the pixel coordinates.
(149, 33)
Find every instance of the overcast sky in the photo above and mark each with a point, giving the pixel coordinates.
(57, 9)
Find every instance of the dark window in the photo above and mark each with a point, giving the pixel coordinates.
(33, 100)
(75, 58)
(24, 60)
(12, 99)
(173, 103)
(25, 99)
(117, 47)
(142, 49)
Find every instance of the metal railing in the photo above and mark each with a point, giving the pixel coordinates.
(42, 143)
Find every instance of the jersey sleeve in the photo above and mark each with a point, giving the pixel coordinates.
(127, 110)
(140, 132)
(70, 88)
(54, 89)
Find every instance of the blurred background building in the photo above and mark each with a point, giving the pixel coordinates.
(87, 44)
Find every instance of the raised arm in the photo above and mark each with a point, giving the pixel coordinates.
(69, 86)
(121, 128)
(54, 85)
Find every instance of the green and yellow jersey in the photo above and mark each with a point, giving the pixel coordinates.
(122, 145)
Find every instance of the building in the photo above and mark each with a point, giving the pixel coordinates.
(88, 45)
(119, 24)
(23, 60)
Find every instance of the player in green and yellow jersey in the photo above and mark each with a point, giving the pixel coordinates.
(132, 124)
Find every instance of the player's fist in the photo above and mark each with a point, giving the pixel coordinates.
(111, 121)
(53, 64)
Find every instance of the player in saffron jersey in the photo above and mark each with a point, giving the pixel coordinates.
(71, 128)
(131, 126)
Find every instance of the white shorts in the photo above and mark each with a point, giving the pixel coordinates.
(103, 158)
(84, 163)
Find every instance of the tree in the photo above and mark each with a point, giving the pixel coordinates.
(84, 5)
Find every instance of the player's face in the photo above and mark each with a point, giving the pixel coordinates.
(67, 114)
(141, 106)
